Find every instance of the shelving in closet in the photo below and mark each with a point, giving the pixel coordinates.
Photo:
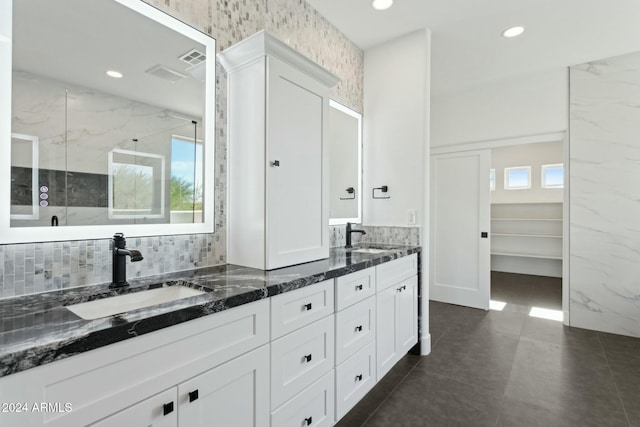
(529, 231)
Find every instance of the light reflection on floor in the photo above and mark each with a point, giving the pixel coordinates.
(545, 313)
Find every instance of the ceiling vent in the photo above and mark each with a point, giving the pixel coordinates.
(193, 57)
(166, 73)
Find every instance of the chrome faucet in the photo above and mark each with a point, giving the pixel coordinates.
(120, 253)
(349, 231)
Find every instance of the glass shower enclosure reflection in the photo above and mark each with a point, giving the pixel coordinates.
(93, 158)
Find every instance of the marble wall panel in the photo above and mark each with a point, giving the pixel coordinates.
(604, 195)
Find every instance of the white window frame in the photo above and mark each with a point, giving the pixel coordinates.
(492, 179)
(112, 211)
(543, 168)
(35, 176)
(517, 168)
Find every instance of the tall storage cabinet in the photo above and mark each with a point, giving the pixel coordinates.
(278, 104)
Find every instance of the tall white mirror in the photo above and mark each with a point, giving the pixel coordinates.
(110, 123)
(345, 156)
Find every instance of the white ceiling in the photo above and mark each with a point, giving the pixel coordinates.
(76, 41)
(467, 48)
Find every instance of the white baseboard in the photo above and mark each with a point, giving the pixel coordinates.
(425, 344)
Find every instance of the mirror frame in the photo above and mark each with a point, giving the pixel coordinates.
(343, 108)
(10, 234)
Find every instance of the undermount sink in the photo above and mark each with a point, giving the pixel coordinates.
(370, 251)
(122, 303)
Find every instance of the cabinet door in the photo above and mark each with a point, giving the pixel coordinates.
(158, 411)
(233, 394)
(387, 352)
(297, 202)
(407, 314)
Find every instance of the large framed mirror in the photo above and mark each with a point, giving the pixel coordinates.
(110, 123)
(345, 157)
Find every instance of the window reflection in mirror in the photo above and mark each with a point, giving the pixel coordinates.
(345, 157)
(124, 150)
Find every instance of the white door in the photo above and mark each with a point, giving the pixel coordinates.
(235, 394)
(387, 352)
(407, 314)
(297, 203)
(460, 221)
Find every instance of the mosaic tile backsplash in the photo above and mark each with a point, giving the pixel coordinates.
(37, 267)
(389, 235)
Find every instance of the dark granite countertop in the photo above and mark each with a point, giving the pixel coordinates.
(39, 329)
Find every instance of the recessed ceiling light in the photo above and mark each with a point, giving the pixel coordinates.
(513, 32)
(115, 74)
(382, 4)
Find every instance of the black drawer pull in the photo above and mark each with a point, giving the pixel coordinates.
(275, 163)
(308, 421)
(193, 395)
(167, 408)
(307, 358)
(307, 306)
(359, 288)
(359, 377)
(359, 328)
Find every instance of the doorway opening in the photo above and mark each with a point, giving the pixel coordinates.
(527, 222)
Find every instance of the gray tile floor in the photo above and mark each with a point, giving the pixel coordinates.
(505, 368)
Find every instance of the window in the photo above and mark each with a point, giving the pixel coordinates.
(517, 178)
(186, 180)
(553, 176)
(136, 184)
(492, 179)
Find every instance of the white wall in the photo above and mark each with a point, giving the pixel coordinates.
(396, 129)
(396, 117)
(604, 203)
(534, 155)
(529, 105)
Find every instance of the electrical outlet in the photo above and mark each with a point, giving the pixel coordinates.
(411, 216)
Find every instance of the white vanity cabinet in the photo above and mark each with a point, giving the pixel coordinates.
(396, 311)
(301, 358)
(233, 394)
(225, 357)
(278, 104)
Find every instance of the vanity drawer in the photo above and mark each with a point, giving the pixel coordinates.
(314, 406)
(300, 358)
(355, 287)
(355, 328)
(295, 309)
(354, 378)
(392, 272)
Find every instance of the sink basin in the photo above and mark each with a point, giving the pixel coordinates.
(370, 251)
(119, 304)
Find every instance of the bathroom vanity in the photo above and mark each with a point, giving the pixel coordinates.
(296, 346)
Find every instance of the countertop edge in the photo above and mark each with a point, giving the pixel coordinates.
(42, 354)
